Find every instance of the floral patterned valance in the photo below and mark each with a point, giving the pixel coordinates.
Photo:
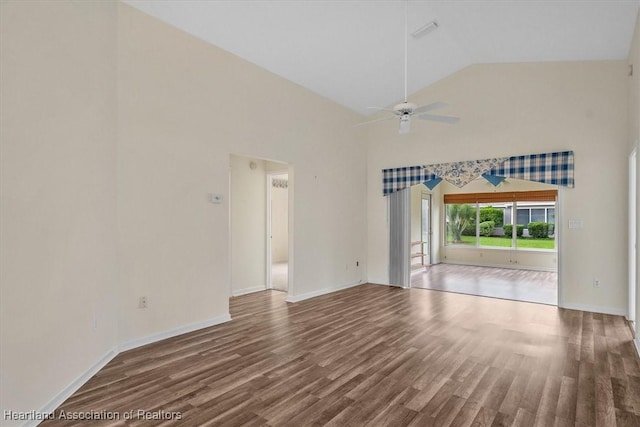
(462, 173)
(549, 168)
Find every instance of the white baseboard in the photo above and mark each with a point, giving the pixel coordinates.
(319, 292)
(173, 332)
(57, 400)
(594, 308)
(388, 285)
(509, 266)
(248, 291)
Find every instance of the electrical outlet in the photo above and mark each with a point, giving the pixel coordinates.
(142, 303)
(596, 283)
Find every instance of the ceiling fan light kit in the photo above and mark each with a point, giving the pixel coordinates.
(406, 109)
(405, 124)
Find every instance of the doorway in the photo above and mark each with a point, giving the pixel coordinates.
(257, 212)
(420, 229)
(278, 231)
(500, 244)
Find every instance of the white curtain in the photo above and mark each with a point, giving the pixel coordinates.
(400, 237)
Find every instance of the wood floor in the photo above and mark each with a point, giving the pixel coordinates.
(507, 283)
(376, 355)
(280, 276)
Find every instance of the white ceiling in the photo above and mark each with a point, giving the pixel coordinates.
(353, 51)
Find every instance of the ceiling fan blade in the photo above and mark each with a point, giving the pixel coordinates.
(429, 107)
(377, 120)
(443, 119)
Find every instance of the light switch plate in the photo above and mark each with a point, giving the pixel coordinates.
(575, 223)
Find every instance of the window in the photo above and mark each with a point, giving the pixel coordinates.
(523, 216)
(551, 215)
(486, 219)
(538, 232)
(538, 215)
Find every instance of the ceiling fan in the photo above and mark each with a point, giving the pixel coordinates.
(405, 110)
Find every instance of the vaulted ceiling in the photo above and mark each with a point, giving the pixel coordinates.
(353, 51)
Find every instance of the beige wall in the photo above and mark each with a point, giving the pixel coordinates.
(634, 139)
(513, 109)
(116, 129)
(184, 107)
(58, 192)
(634, 86)
(248, 225)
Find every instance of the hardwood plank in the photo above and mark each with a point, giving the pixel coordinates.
(524, 418)
(375, 355)
(394, 415)
(586, 399)
(449, 411)
(484, 418)
(533, 393)
(567, 399)
(605, 406)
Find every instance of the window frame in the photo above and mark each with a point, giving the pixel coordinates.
(485, 199)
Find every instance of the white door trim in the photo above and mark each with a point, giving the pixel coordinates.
(268, 284)
(633, 159)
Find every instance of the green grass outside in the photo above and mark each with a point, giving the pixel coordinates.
(523, 242)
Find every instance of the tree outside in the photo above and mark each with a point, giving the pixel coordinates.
(459, 217)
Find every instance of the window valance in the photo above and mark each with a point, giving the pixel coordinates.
(548, 168)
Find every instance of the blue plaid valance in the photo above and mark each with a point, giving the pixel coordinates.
(548, 168)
